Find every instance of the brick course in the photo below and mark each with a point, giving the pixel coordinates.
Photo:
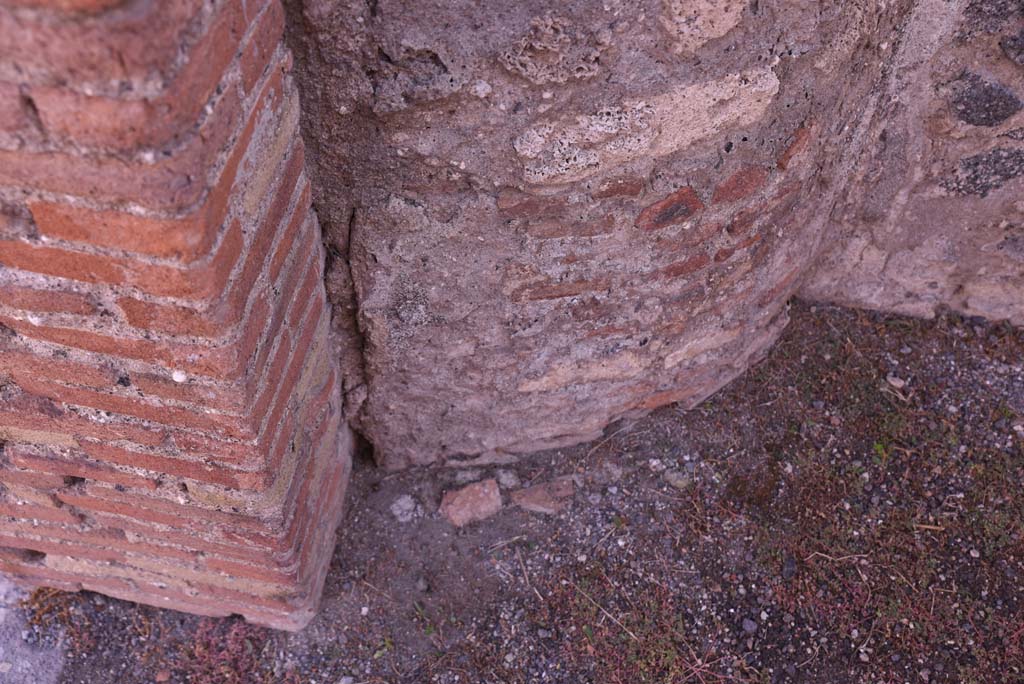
(170, 410)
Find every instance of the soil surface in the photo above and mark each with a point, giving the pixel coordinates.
(849, 510)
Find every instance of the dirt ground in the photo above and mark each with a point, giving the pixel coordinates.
(850, 510)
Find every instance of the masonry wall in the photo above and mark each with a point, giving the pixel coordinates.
(170, 420)
(935, 215)
(537, 218)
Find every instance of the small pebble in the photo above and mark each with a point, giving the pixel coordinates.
(507, 479)
(467, 476)
(404, 508)
(677, 479)
(896, 382)
(788, 567)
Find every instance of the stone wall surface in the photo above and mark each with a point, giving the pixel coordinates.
(545, 216)
(170, 425)
(934, 212)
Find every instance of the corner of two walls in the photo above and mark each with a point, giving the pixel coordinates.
(534, 218)
(545, 218)
(934, 215)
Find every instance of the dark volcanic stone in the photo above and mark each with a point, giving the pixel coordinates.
(987, 171)
(1013, 47)
(984, 103)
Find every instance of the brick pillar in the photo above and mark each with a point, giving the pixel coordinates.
(169, 402)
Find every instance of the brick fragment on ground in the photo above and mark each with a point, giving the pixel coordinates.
(472, 503)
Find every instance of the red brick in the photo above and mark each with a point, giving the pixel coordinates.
(199, 281)
(111, 538)
(146, 350)
(186, 238)
(174, 467)
(160, 237)
(742, 184)
(13, 119)
(234, 360)
(674, 208)
(313, 324)
(264, 39)
(52, 368)
(241, 284)
(187, 539)
(553, 290)
(47, 301)
(28, 417)
(226, 361)
(283, 392)
(173, 184)
(255, 572)
(284, 541)
(71, 550)
(684, 268)
(211, 449)
(53, 514)
(259, 251)
(131, 509)
(226, 313)
(138, 505)
(59, 262)
(209, 395)
(801, 137)
(143, 42)
(79, 468)
(284, 246)
(278, 437)
(520, 205)
(270, 225)
(29, 478)
(173, 320)
(273, 375)
(126, 124)
(304, 267)
(726, 252)
(160, 414)
(170, 185)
